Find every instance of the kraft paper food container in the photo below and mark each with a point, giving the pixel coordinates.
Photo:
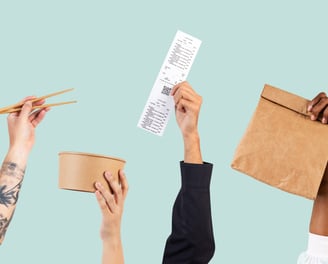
(79, 171)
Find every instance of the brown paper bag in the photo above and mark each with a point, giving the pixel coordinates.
(282, 146)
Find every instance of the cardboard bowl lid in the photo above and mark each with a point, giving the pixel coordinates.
(80, 170)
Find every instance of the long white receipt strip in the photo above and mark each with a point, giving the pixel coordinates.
(175, 69)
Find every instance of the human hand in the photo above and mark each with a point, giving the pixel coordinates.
(111, 205)
(318, 107)
(21, 125)
(187, 106)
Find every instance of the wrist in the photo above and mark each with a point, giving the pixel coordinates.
(113, 235)
(191, 137)
(18, 155)
(192, 152)
(112, 241)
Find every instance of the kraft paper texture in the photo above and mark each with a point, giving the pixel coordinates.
(281, 146)
(79, 171)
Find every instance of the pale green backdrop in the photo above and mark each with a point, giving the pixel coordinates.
(111, 52)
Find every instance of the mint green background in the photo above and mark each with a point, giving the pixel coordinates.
(111, 52)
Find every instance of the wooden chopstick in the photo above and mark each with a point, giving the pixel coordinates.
(12, 110)
(19, 105)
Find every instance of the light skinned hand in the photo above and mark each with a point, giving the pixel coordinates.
(318, 108)
(187, 106)
(21, 125)
(111, 205)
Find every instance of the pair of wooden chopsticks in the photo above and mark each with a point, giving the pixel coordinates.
(18, 107)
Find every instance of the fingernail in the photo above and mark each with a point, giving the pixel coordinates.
(98, 184)
(309, 108)
(324, 120)
(108, 174)
(313, 117)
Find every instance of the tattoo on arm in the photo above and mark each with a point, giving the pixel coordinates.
(11, 178)
(9, 194)
(4, 223)
(12, 169)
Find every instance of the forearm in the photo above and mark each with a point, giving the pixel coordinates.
(319, 219)
(192, 151)
(112, 251)
(11, 177)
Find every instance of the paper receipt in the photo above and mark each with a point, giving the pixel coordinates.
(175, 69)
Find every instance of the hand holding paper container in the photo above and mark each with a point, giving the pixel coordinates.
(79, 171)
(282, 146)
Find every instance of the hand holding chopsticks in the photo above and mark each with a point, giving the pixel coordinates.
(17, 107)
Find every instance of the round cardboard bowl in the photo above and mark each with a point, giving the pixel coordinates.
(79, 171)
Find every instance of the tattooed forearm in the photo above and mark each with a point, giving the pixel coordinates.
(4, 223)
(12, 169)
(11, 176)
(9, 196)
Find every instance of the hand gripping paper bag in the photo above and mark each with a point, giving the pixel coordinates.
(282, 146)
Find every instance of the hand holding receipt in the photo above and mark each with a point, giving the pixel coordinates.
(174, 70)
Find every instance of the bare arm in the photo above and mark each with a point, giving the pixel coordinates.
(21, 134)
(319, 218)
(318, 108)
(318, 229)
(11, 177)
(187, 104)
(111, 206)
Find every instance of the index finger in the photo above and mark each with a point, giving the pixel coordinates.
(40, 102)
(176, 87)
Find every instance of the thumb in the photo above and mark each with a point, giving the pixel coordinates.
(26, 110)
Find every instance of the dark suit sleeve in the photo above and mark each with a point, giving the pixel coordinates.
(191, 240)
